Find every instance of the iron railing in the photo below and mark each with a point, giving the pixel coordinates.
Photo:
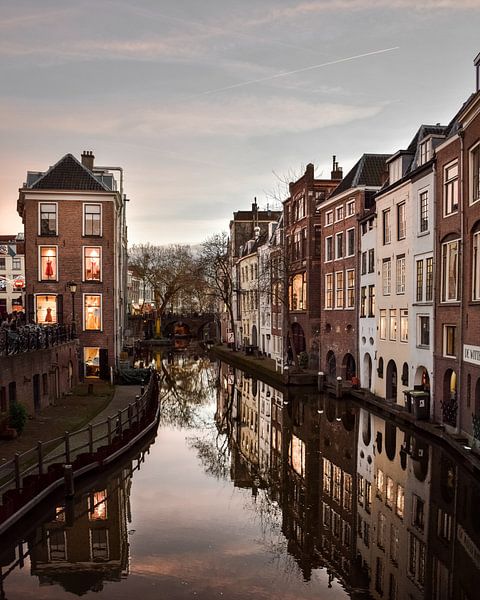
(33, 337)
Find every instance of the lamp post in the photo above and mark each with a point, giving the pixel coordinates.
(72, 286)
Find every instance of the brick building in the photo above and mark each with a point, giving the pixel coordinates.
(12, 273)
(457, 306)
(302, 235)
(75, 232)
(340, 265)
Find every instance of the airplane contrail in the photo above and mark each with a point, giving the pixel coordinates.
(285, 73)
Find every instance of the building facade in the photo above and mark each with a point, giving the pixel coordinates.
(12, 273)
(75, 249)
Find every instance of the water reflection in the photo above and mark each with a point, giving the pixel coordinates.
(382, 510)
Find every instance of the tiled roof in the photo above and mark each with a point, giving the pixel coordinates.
(368, 171)
(68, 174)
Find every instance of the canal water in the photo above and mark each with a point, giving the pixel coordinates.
(246, 491)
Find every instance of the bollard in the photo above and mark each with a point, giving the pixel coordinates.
(69, 482)
(338, 388)
(320, 381)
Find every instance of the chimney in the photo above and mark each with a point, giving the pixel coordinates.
(337, 172)
(476, 62)
(87, 159)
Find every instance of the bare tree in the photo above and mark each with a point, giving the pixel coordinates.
(169, 270)
(217, 270)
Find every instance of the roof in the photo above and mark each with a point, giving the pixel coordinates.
(368, 172)
(68, 174)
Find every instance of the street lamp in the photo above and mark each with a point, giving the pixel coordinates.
(72, 286)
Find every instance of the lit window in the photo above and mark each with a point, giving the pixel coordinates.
(423, 207)
(92, 312)
(371, 260)
(390, 492)
(393, 324)
(404, 325)
(350, 288)
(46, 309)
(329, 290)
(48, 263)
(450, 188)
(92, 264)
(450, 271)
(92, 219)
(449, 346)
(339, 290)
(298, 292)
(48, 218)
(98, 506)
(419, 293)
(363, 301)
(383, 324)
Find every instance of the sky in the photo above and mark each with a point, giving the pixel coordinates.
(209, 104)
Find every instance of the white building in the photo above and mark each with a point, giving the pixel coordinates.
(12, 273)
(367, 331)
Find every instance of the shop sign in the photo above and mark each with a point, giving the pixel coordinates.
(471, 354)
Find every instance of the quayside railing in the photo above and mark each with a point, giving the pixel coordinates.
(29, 473)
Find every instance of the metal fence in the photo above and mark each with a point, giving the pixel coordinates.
(45, 462)
(33, 337)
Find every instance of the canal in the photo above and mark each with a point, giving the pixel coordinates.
(247, 491)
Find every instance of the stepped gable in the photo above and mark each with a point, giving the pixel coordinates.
(368, 171)
(68, 174)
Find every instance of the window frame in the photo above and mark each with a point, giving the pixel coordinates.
(476, 266)
(339, 235)
(329, 254)
(40, 274)
(339, 275)
(339, 210)
(420, 331)
(445, 344)
(45, 295)
(393, 325)
(387, 226)
(404, 325)
(349, 233)
(349, 211)
(450, 184)
(100, 261)
(400, 274)
(423, 212)
(328, 218)
(329, 291)
(84, 307)
(40, 204)
(350, 289)
(84, 206)
(401, 222)
(387, 276)
(471, 163)
(445, 269)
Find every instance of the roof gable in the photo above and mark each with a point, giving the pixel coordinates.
(68, 174)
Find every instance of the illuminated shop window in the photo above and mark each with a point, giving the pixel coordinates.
(92, 263)
(91, 357)
(46, 309)
(48, 263)
(98, 506)
(92, 312)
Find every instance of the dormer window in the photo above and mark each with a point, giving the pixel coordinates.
(425, 152)
(395, 170)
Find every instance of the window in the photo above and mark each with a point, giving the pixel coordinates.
(92, 263)
(404, 325)
(450, 252)
(339, 245)
(57, 545)
(48, 263)
(387, 276)
(350, 208)
(337, 483)
(327, 476)
(92, 312)
(91, 357)
(46, 309)
(383, 324)
(400, 272)
(328, 248)
(395, 170)
(423, 207)
(98, 506)
(450, 188)
(350, 288)
(363, 301)
(99, 544)
(449, 346)
(92, 219)
(390, 492)
(364, 263)
(444, 525)
(380, 483)
(382, 521)
(329, 290)
(387, 233)
(350, 242)
(416, 559)
(379, 575)
(476, 265)
(400, 501)
(418, 512)
(2, 263)
(48, 218)
(298, 292)
(424, 152)
(419, 281)
(424, 331)
(401, 221)
(339, 290)
(371, 300)
(393, 324)
(317, 241)
(339, 213)
(392, 587)
(329, 217)
(475, 174)
(371, 260)
(394, 543)
(16, 264)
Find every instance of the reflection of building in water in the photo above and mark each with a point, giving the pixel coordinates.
(300, 501)
(338, 493)
(94, 549)
(249, 420)
(264, 427)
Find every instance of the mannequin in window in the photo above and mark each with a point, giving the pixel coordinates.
(48, 316)
(48, 269)
(92, 321)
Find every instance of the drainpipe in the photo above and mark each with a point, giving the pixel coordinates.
(461, 133)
